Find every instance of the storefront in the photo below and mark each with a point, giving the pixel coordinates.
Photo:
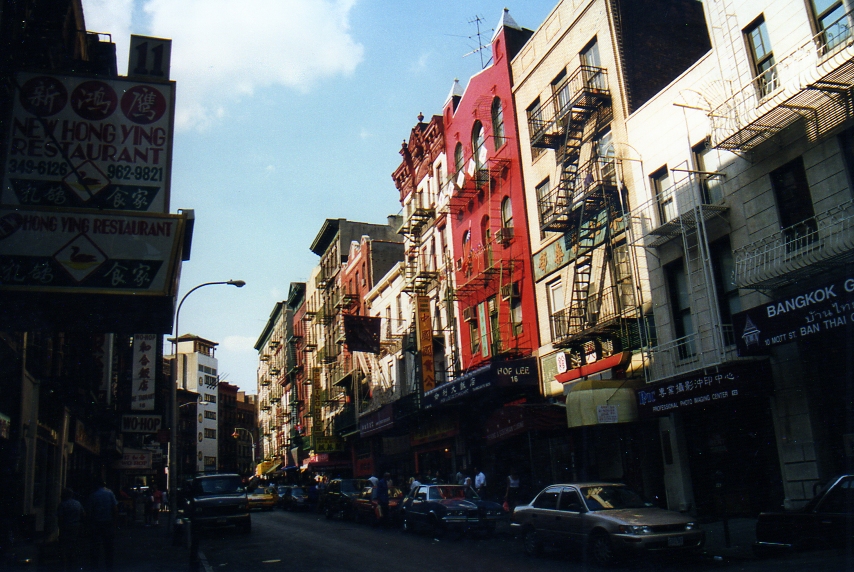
(716, 439)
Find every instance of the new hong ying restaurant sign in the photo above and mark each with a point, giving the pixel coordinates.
(82, 142)
(818, 309)
(89, 251)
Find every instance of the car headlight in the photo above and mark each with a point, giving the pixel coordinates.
(628, 529)
(456, 513)
(494, 512)
(692, 526)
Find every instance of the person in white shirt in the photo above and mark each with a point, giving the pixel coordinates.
(479, 480)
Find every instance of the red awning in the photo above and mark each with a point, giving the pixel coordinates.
(616, 360)
(513, 420)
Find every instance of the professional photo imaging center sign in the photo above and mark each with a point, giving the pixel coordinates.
(79, 142)
(85, 251)
(819, 309)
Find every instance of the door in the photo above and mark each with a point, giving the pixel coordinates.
(571, 508)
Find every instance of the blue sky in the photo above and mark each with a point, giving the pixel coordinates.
(290, 112)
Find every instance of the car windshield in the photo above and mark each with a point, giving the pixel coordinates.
(612, 498)
(219, 486)
(297, 491)
(349, 486)
(456, 492)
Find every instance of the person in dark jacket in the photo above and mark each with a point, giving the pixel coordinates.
(70, 516)
(382, 499)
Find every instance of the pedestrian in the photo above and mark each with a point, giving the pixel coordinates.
(102, 508)
(479, 481)
(459, 479)
(511, 496)
(70, 516)
(467, 482)
(382, 499)
(148, 500)
(157, 498)
(414, 484)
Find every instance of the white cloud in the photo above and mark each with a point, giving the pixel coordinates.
(421, 63)
(224, 50)
(365, 134)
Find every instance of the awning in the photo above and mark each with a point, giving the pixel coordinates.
(519, 373)
(512, 420)
(617, 360)
(266, 467)
(323, 461)
(599, 402)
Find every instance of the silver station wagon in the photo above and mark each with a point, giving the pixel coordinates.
(607, 520)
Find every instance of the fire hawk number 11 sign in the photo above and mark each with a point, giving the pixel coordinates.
(144, 359)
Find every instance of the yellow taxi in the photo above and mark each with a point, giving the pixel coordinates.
(264, 498)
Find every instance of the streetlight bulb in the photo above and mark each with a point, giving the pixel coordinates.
(238, 283)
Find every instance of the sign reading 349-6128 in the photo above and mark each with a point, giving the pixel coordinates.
(78, 142)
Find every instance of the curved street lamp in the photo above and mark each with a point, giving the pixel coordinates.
(236, 435)
(173, 437)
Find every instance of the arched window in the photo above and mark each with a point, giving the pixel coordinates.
(497, 123)
(506, 213)
(458, 158)
(478, 145)
(485, 231)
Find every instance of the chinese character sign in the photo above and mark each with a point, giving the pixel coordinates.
(89, 143)
(144, 359)
(425, 343)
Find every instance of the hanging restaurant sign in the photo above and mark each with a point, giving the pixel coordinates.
(88, 251)
(825, 308)
(82, 142)
(520, 372)
(144, 360)
(425, 343)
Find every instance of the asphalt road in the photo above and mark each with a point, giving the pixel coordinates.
(307, 542)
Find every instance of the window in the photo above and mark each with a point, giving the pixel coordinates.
(516, 315)
(723, 266)
(604, 147)
(764, 66)
(570, 500)
(458, 158)
(706, 161)
(680, 305)
(544, 202)
(660, 182)
(478, 145)
(506, 213)
(556, 305)
(536, 125)
(830, 23)
(794, 205)
(548, 498)
(560, 88)
(592, 66)
(495, 331)
(497, 123)
(474, 332)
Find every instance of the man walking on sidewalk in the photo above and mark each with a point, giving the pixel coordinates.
(102, 508)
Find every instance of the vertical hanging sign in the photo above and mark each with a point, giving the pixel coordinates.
(144, 358)
(425, 343)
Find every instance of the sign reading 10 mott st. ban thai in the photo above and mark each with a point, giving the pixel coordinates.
(85, 142)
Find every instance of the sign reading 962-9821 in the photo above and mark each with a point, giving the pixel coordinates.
(79, 142)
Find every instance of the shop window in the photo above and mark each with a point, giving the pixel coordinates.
(762, 58)
(794, 206)
(497, 123)
(680, 305)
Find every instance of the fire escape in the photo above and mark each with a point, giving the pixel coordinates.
(586, 207)
(488, 263)
(812, 84)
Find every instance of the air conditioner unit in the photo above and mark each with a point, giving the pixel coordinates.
(504, 235)
(509, 291)
(468, 314)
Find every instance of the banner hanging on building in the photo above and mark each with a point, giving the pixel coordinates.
(425, 343)
(83, 142)
(362, 333)
(144, 361)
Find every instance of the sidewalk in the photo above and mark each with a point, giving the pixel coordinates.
(742, 535)
(138, 548)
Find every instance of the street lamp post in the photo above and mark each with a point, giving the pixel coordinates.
(236, 434)
(173, 395)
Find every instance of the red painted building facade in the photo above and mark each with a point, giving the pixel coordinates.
(492, 258)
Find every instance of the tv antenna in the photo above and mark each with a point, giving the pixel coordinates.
(480, 46)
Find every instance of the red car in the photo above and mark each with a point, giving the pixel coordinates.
(365, 507)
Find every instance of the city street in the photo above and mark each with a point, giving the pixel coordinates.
(307, 542)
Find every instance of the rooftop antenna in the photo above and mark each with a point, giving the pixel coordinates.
(480, 46)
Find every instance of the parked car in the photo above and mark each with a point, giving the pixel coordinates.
(265, 498)
(365, 507)
(293, 497)
(212, 501)
(339, 496)
(825, 521)
(449, 507)
(606, 519)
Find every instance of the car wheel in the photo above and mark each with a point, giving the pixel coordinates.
(532, 544)
(601, 549)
